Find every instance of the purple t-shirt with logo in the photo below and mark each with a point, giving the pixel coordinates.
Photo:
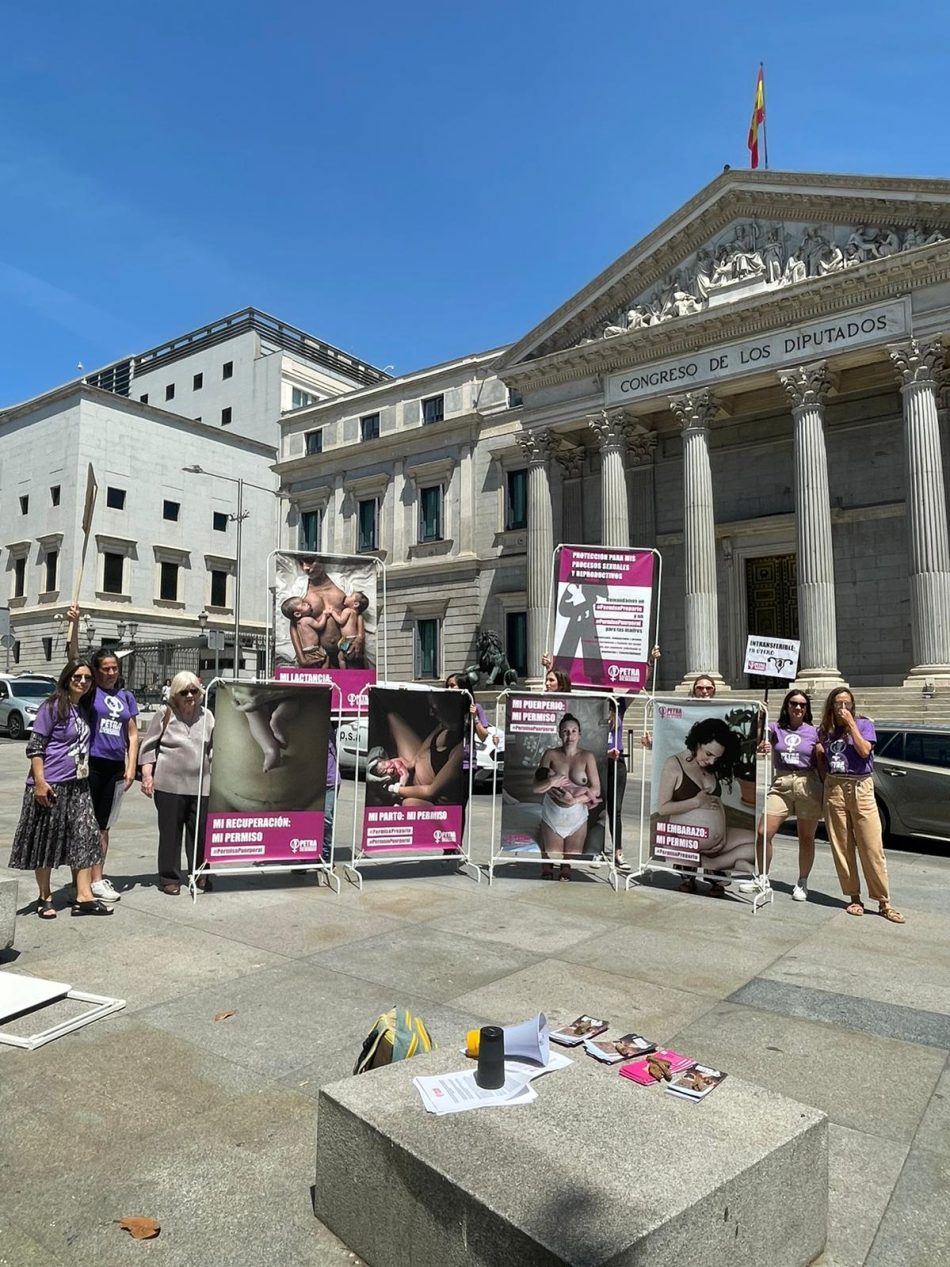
(793, 749)
(111, 711)
(842, 757)
(66, 742)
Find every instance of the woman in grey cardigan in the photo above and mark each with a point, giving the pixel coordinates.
(174, 753)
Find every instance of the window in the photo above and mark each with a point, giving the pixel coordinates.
(197, 382)
(433, 409)
(226, 416)
(48, 648)
(314, 441)
(168, 583)
(366, 524)
(54, 495)
(52, 560)
(16, 652)
(115, 498)
(219, 521)
(113, 567)
(311, 530)
(427, 649)
(170, 391)
(301, 399)
(25, 505)
(19, 577)
(369, 427)
(144, 398)
(889, 741)
(227, 369)
(219, 588)
(170, 510)
(928, 749)
(430, 513)
(515, 398)
(516, 641)
(516, 508)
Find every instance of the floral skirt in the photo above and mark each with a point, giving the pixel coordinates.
(64, 834)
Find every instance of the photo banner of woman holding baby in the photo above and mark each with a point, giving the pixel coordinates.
(326, 622)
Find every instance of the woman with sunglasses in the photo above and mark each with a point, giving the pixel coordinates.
(174, 754)
(796, 786)
(115, 744)
(57, 824)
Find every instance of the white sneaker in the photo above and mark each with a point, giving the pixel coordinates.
(799, 893)
(756, 886)
(104, 890)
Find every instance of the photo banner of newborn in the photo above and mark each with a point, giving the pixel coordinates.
(416, 782)
(603, 606)
(325, 622)
(555, 777)
(702, 792)
(268, 773)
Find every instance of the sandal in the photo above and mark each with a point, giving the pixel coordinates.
(45, 908)
(895, 917)
(547, 872)
(203, 883)
(171, 888)
(856, 908)
(91, 908)
(566, 873)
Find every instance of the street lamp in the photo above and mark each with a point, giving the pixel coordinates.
(238, 519)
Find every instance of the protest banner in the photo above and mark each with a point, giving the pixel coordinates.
(326, 622)
(603, 614)
(772, 657)
(417, 785)
(267, 795)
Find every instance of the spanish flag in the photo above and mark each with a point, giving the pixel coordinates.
(758, 118)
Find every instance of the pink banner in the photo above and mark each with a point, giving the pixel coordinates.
(347, 684)
(602, 615)
(291, 836)
(401, 830)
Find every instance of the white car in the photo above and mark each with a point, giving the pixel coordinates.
(20, 700)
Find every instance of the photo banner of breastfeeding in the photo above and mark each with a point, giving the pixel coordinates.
(603, 612)
(326, 613)
(702, 801)
(268, 773)
(555, 776)
(416, 781)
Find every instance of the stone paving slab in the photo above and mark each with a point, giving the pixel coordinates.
(915, 1231)
(862, 1172)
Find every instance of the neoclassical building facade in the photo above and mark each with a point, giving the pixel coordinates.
(756, 388)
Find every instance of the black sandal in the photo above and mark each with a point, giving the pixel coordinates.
(91, 908)
(45, 908)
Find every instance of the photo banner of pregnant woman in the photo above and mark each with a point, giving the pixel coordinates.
(702, 801)
(327, 622)
(268, 774)
(603, 615)
(555, 779)
(417, 785)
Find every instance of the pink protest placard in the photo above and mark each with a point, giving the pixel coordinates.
(293, 835)
(399, 829)
(602, 615)
(347, 685)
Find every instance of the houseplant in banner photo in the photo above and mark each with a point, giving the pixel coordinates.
(744, 723)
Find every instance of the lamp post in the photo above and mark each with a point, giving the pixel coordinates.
(237, 519)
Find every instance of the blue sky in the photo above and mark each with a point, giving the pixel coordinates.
(409, 182)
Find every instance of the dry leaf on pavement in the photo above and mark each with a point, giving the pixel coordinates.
(223, 1016)
(139, 1227)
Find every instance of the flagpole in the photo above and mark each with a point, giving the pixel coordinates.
(765, 119)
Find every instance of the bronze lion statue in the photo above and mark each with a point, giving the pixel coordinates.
(492, 661)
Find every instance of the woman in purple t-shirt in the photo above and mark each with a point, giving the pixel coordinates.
(57, 824)
(847, 752)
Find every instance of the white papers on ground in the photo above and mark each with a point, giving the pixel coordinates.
(457, 1092)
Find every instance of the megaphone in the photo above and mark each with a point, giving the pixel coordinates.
(528, 1040)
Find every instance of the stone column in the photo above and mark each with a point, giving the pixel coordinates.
(919, 367)
(611, 430)
(539, 448)
(806, 387)
(641, 447)
(571, 461)
(694, 411)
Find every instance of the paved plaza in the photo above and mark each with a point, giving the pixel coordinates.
(208, 1125)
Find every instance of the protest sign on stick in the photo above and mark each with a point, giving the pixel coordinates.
(89, 506)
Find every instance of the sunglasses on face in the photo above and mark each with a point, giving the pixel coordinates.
(704, 690)
(797, 703)
(190, 690)
(81, 677)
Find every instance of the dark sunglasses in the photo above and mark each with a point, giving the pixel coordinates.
(81, 677)
(190, 690)
(797, 703)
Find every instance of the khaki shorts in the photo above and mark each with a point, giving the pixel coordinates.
(796, 796)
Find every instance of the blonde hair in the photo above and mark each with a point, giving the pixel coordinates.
(180, 682)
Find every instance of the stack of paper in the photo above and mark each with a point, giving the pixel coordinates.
(458, 1092)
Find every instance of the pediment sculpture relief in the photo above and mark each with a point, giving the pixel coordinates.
(750, 258)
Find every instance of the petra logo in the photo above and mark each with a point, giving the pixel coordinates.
(444, 837)
(618, 674)
(303, 846)
(354, 699)
(115, 706)
(793, 741)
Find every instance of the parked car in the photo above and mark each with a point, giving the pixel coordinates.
(352, 742)
(912, 779)
(20, 699)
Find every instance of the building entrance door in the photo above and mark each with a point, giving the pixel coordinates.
(771, 586)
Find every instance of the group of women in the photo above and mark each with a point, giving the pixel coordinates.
(83, 754)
